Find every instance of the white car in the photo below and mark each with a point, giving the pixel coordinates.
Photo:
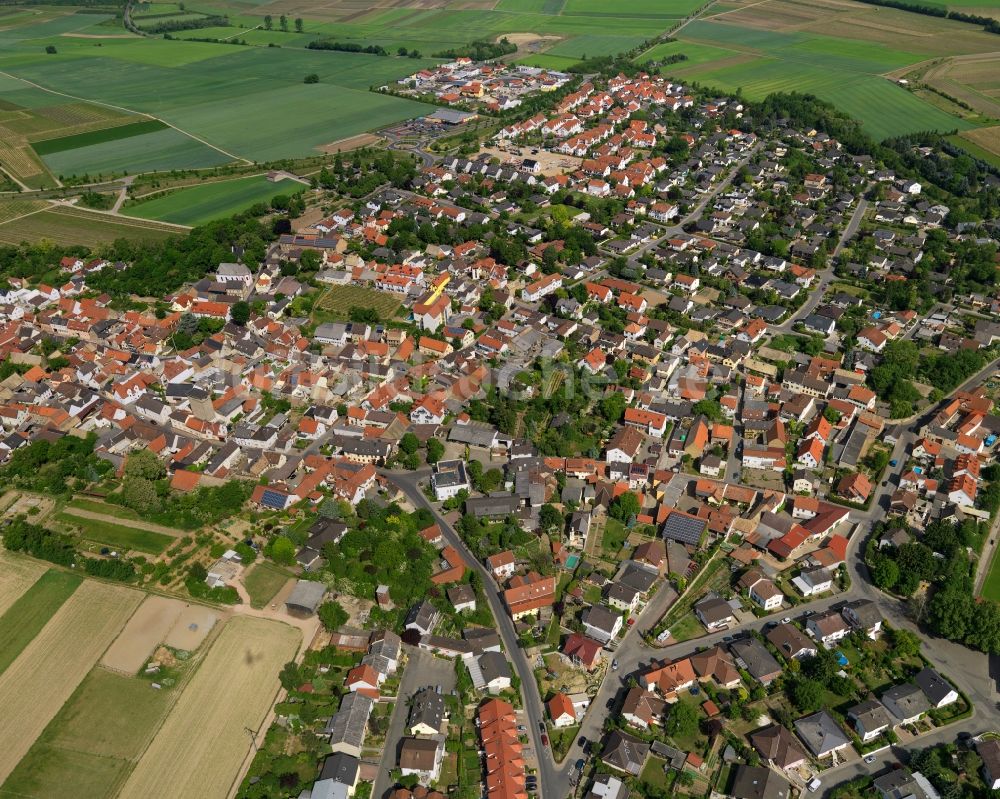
(870, 759)
(814, 784)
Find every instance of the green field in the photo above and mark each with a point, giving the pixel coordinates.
(118, 536)
(844, 72)
(248, 101)
(991, 585)
(336, 304)
(696, 54)
(58, 145)
(156, 151)
(73, 226)
(200, 204)
(93, 741)
(263, 581)
(32, 611)
(104, 508)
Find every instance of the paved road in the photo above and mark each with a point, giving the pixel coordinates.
(694, 213)
(422, 670)
(828, 277)
(408, 483)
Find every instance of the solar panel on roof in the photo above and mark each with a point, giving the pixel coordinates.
(272, 499)
(685, 529)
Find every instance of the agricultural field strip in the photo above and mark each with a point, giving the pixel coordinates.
(17, 575)
(31, 611)
(147, 628)
(50, 668)
(198, 750)
(121, 521)
(127, 110)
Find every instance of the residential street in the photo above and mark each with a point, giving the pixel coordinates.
(968, 669)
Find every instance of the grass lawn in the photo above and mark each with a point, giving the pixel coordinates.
(991, 585)
(653, 773)
(200, 204)
(614, 536)
(263, 581)
(32, 610)
(118, 535)
(338, 301)
(104, 508)
(96, 736)
(687, 628)
(562, 739)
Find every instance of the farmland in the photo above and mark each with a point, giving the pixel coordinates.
(69, 226)
(338, 301)
(200, 204)
(93, 740)
(198, 750)
(19, 574)
(118, 536)
(48, 670)
(32, 611)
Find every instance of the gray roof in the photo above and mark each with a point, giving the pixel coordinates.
(427, 708)
(306, 595)
(934, 686)
(347, 725)
(493, 665)
(759, 662)
(821, 733)
(759, 782)
(602, 618)
(905, 701)
(624, 752)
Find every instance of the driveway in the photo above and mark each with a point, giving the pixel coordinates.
(422, 670)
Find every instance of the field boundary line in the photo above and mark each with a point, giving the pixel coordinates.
(178, 690)
(24, 216)
(130, 111)
(122, 219)
(138, 524)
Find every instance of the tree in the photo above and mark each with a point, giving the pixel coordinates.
(806, 695)
(435, 449)
(140, 495)
(904, 643)
(312, 77)
(885, 573)
(50, 49)
(268, 22)
(624, 506)
(146, 465)
(239, 313)
(198, 572)
(409, 443)
(682, 721)
(283, 550)
(283, 22)
(550, 518)
(332, 615)
(290, 676)
(298, 24)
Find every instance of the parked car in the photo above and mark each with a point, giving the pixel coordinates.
(545, 740)
(580, 764)
(870, 759)
(614, 665)
(814, 784)
(541, 726)
(582, 742)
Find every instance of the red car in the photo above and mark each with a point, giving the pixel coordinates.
(545, 740)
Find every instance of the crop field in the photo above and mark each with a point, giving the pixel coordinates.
(117, 536)
(46, 673)
(154, 151)
(985, 143)
(73, 141)
(19, 574)
(104, 508)
(200, 204)
(201, 744)
(31, 611)
(93, 740)
(339, 300)
(70, 226)
(827, 49)
(170, 80)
